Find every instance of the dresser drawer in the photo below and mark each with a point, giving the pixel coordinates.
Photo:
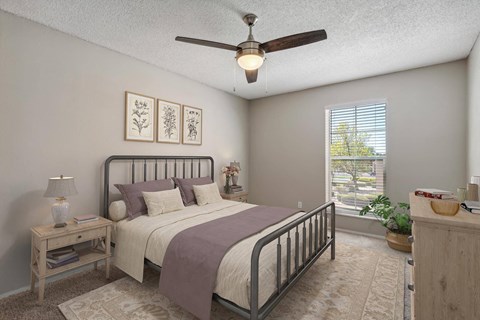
(75, 238)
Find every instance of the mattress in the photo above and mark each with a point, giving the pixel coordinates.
(148, 237)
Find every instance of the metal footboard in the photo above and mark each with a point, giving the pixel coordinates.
(312, 227)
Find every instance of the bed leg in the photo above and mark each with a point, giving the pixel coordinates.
(332, 248)
(332, 232)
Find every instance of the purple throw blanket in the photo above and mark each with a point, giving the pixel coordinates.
(191, 262)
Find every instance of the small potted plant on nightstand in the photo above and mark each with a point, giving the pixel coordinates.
(395, 218)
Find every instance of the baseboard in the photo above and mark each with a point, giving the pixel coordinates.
(52, 279)
(362, 225)
(360, 233)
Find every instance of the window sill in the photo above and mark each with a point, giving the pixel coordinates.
(353, 214)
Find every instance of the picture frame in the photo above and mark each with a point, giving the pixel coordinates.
(169, 124)
(139, 117)
(192, 124)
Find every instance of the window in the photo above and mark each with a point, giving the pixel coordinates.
(356, 154)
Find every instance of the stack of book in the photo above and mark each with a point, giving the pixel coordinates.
(85, 218)
(434, 193)
(62, 256)
(472, 206)
(236, 189)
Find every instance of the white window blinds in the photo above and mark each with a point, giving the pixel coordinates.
(356, 152)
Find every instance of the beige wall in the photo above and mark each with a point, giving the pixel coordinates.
(474, 111)
(426, 135)
(62, 112)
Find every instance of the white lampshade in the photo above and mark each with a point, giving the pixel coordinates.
(60, 187)
(235, 164)
(250, 61)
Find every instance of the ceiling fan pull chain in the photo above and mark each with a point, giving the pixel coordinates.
(266, 76)
(234, 74)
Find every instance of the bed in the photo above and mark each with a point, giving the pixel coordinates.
(257, 272)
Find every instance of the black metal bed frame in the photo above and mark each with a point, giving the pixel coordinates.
(312, 227)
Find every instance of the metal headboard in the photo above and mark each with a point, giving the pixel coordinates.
(183, 167)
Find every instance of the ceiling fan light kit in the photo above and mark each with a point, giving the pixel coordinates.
(250, 58)
(250, 54)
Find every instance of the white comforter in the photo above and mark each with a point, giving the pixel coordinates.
(148, 237)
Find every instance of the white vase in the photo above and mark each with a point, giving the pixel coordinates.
(234, 180)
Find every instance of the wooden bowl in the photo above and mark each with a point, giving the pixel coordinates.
(445, 208)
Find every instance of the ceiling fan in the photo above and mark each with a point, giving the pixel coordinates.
(251, 53)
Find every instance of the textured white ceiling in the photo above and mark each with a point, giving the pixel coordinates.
(365, 37)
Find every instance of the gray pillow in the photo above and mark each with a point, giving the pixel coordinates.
(133, 197)
(186, 188)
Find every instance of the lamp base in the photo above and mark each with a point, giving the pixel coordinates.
(60, 225)
(60, 212)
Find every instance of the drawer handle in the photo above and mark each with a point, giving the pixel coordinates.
(79, 236)
(411, 287)
(410, 239)
(410, 261)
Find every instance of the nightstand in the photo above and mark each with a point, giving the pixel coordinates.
(46, 238)
(240, 196)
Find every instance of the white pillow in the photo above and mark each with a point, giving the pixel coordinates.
(163, 201)
(207, 193)
(117, 210)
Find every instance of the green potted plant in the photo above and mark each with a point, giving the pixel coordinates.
(395, 218)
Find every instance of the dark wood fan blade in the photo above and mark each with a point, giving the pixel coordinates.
(295, 40)
(251, 75)
(207, 43)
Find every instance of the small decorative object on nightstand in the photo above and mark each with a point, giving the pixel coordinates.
(60, 187)
(238, 196)
(229, 172)
(49, 238)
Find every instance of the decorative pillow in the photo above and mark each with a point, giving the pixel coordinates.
(207, 193)
(186, 188)
(133, 197)
(163, 201)
(117, 210)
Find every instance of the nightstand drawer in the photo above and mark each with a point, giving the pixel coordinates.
(239, 197)
(75, 238)
(242, 199)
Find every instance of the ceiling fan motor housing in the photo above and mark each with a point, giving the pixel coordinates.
(250, 55)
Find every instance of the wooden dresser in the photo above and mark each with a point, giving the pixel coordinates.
(446, 259)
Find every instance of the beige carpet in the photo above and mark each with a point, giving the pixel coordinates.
(360, 284)
(24, 306)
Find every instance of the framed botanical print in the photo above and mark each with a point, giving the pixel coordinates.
(139, 117)
(192, 125)
(168, 122)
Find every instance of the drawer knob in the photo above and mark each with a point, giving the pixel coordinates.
(410, 239)
(410, 261)
(79, 236)
(411, 287)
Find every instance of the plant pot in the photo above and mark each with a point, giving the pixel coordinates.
(398, 241)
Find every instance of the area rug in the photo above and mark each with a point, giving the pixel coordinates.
(360, 284)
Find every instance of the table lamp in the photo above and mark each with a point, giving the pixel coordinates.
(235, 163)
(235, 177)
(60, 187)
